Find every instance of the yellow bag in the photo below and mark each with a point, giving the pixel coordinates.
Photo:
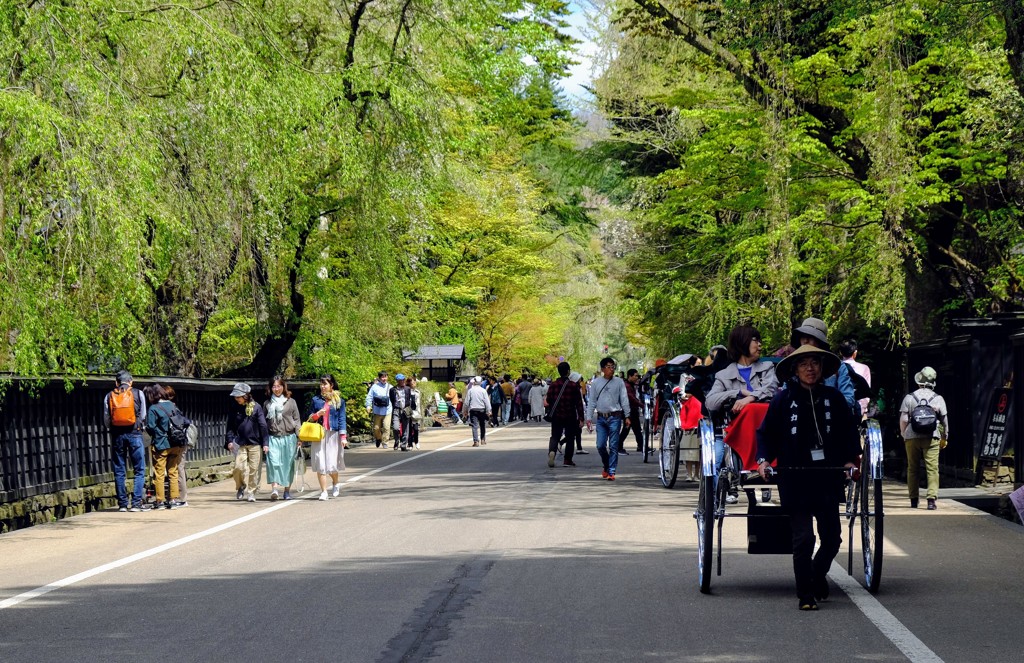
(311, 432)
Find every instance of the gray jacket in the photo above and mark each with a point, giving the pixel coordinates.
(288, 423)
(607, 396)
(728, 384)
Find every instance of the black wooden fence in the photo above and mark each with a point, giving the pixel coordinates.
(53, 439)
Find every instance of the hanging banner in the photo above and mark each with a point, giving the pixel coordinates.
(994, 441)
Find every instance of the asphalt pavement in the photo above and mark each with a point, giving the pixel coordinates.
(454, 553)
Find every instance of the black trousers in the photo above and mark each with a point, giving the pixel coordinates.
(567, 429)
(638, 432)
(808, 571)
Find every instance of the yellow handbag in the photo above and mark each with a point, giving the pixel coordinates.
(311, 432)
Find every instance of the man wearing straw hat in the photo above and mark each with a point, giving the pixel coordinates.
(812, 434)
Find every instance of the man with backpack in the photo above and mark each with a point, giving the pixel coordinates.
(925, 427)
(124, 414)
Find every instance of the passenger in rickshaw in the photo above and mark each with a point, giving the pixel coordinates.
(810, 434)
(747, 380)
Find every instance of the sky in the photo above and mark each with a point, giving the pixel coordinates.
(580, 74)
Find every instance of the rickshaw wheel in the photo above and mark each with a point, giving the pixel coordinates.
(705, 516)
(871, 522)
(668, 457)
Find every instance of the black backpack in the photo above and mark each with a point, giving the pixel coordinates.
(923, 419)
(177, 427)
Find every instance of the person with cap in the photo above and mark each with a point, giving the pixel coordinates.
(922, 439)
(328, 455)
(476, 408)
(402, 404)
(565, 403)
(247, 434)
(746, 380)
(812, 436)
(378, 404)
(609, 410)
(124, 415)
(812, 331)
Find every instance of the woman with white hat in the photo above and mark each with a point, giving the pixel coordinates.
(923, 437)
(811, 433)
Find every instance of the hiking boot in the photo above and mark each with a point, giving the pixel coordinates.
(551, 459)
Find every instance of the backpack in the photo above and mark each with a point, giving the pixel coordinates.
(122, 407)
(923, 419)
(861, 388)
(177, 428)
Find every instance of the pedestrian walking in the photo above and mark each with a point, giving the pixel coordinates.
(567, 414)
(848, 351)
(402, 404)
(476, 408)
(497, 396)
(607, 411)
(283, 423)
(811, 433)
(167, 446)
(378, 406)
(537, 394)
(578, 379)
(452, 398)
(417, 414)
(124, 415)
(328, 455)
(523, 388)
(924, 425)
(632, 392)
(509, 392)
(247, 434)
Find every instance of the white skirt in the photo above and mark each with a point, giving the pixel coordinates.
(328, 455)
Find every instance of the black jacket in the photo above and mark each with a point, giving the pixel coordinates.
(246, 430)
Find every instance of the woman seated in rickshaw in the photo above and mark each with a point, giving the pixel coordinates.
(811, 433)
(746, 380)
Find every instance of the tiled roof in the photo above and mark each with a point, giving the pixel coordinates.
(457, 352)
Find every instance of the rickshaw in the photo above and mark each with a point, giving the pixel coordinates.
(768, 530)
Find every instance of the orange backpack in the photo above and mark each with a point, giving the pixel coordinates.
(122, 407)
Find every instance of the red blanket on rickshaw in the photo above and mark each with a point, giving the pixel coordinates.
(741, 433)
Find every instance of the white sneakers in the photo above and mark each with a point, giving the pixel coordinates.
(274, 496)
(323, 496)
(249, 496)
(336, 490)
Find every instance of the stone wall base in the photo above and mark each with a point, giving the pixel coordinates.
(76, 501)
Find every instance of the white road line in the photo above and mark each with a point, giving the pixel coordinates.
(892, 628)
(85, 575)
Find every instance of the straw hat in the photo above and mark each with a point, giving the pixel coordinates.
(787, 367)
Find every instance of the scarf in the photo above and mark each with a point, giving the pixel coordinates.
(275, 408)
(250, 407)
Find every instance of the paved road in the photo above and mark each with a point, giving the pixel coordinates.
(459, 554)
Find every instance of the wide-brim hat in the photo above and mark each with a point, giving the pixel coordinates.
(786, 368)
(813, 327)
(575, 377)
(926, 377)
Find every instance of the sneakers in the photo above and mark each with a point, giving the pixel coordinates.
(139, 508)
(176, 504)
(731, 499)
(287, 495)
(623, 452)
(931, 504)
(483, 443)
(582, 452)
(336, 490)
(611, 477)
(604, 474)
(766, 495)
(249, 496)
(568, 463)
(323, 496)
(123, 509)
(476, 444)
(240, 494)
(551, 459)
(913, 502)
(808, 604)
(416, 445)
(821, 589)
(274, 496)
